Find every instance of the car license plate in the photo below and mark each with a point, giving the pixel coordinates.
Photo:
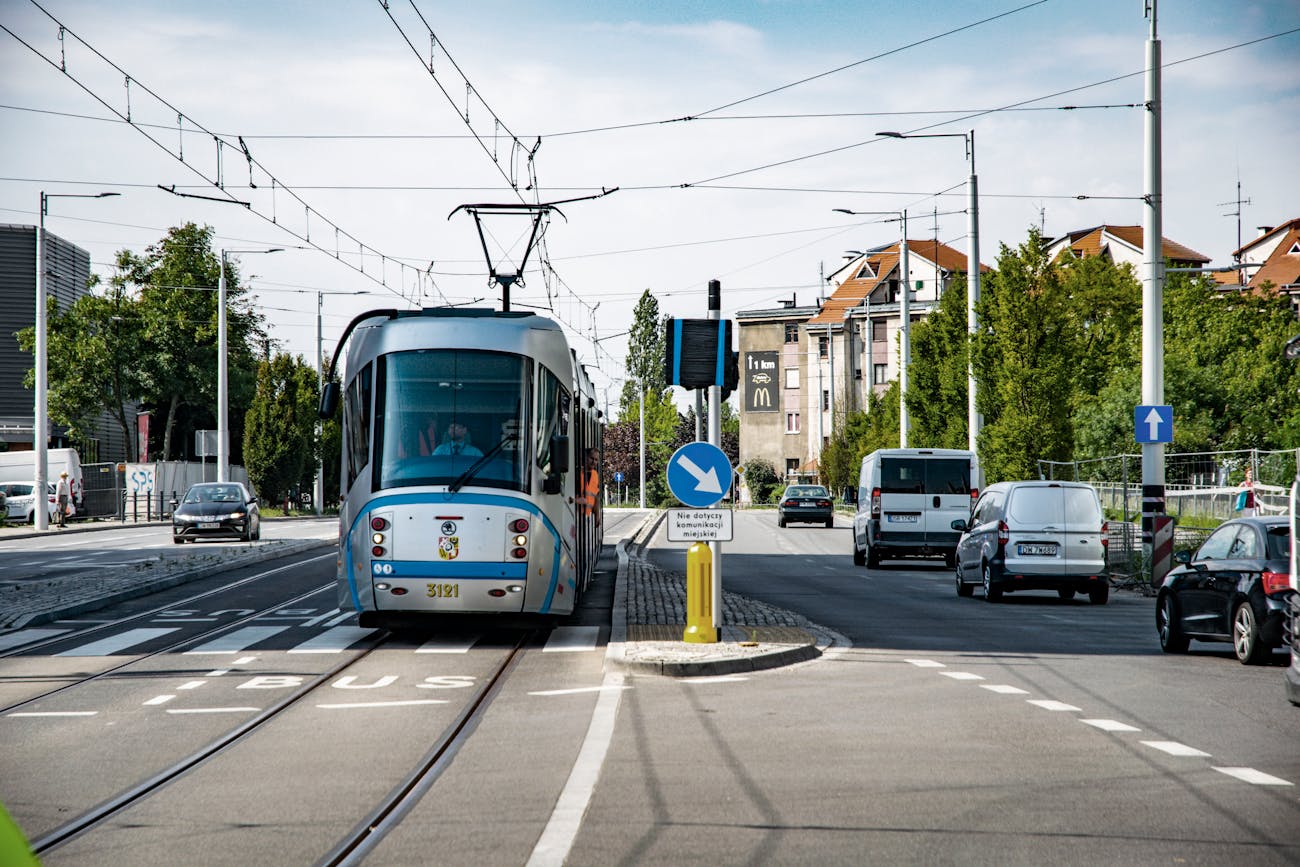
(805, 505)
(443, 591)
(903, 519)
(1036, 550)
(210, 525)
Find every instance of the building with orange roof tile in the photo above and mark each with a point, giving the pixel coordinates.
(1271, 260)
(1121, 245)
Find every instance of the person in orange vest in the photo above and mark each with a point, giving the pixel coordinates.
(589, 496)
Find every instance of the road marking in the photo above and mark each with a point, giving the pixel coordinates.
(1175, 749)
(27, 636)
(1250, 775)
(320, 617)
(217, 672)
(346, 615)
(1110, 725)
(1048, 704)
(576, 690)
(722, 678)
(54, 713)
(926, 663)
(114, 643)
(446, 645)
(239, 640)
(571, 639)
(244, 660)
(160, 699)
(407, 703)
(193, 684)
(179, 710)
(335, 640)
(961, 675)
(1004, 689)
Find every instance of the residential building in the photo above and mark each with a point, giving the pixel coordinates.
(1121, 245)
(772, 387)
(1276, 253)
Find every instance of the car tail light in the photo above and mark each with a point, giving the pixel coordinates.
(788, 504)
(519, 526)
(823, 502)
(1004, 534)
(875, 502)
(974, 495)
(1275, 581)
(1105, 536)
(378, 524)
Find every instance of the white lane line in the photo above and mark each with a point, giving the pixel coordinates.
(193, 684)
(179, 710)
(961, 675)
(1175, 749)
(237, 641)
(408, 703)
(54, 713)
(925, 663)
(572, 639)
(1004, 689)
(160, 699)
(27, 636)
(1048, 704)
(217, 672)
(1110, 725)
(1250, 775)
(114, 643)
(447, 645)
(576, 690)
(335, 640)
(722, 678)
(244, 660)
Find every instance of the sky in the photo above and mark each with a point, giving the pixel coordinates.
(701, 140)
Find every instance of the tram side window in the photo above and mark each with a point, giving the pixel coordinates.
(356, 418)
(553, 416)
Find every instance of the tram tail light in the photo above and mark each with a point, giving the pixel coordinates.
(519, 553)
(519, 526)
(378, 523)
(378, 550)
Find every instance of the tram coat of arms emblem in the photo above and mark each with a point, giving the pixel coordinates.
(448, 547)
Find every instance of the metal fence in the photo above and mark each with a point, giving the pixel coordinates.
(106, 493)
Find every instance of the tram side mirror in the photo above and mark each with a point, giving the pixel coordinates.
(559, 454)
(329, 400)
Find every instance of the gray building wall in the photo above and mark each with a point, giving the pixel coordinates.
(765, 434)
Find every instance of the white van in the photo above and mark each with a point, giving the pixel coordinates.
(21, 467)
(907, 500)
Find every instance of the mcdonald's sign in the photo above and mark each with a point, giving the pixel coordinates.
(761, 382)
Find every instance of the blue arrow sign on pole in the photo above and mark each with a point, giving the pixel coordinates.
(699, 474)
(618, 477)
(1154, 424)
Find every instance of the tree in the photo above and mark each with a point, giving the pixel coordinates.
(645, 353)
(280, 423)
(761, 479)
(936, 392)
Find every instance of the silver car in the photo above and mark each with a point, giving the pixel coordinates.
(1034, 536)
(20, 501)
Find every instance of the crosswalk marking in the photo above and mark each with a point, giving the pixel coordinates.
(570, 639)
(335, 640)
(27, 636)
(447, 645)
(237, 641)
(961, 675)
(1110, 725)
(1250, 775)
(113, 643)
(1004, 689)
(1176, 749)
(1049, 704)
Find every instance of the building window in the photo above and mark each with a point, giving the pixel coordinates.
(822, 344)
(792, 377)
(857, 373)
(826, 400)
(792, 332)
(877, 334)
(791, 466)
(878, 374)
(792, 422)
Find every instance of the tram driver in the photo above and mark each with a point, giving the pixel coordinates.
(458, 442)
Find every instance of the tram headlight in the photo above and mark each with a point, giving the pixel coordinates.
(377, 538)
(521, 540)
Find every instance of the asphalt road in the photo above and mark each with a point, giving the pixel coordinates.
(951, 731)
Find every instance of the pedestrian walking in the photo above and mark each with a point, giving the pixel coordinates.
(62, 493)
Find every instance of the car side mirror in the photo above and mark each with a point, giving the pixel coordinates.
(559, 454)
(850, 496)
(329, 400)
(1183, 557)
(959, 525)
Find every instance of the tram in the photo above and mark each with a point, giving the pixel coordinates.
(470, 466)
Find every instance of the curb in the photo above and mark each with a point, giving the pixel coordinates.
(163, 582)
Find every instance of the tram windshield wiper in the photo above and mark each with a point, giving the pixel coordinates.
(481, 462)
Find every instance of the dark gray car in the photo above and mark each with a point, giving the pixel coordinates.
(216, 510)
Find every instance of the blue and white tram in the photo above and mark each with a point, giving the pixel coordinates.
(470, 438)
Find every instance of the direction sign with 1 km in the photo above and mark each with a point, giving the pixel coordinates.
(699, 474)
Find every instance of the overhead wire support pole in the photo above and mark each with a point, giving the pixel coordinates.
(1153, 355)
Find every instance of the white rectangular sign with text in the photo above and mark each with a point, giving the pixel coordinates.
(699, 525)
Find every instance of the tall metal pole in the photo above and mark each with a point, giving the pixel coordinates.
(40, 422)
(905, 311)
(715, 437)
(223, 420)
(972, 298)
(1153, 389)
(318, 489)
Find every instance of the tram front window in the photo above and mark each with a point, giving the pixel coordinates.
(448, 411)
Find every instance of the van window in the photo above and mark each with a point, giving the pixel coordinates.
(924, 476)
(947, 476)
(1081, 507)
(1036, 506)
(902, 476)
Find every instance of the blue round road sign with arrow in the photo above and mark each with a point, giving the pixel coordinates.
(699, 474)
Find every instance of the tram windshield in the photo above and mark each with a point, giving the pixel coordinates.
(449, 412)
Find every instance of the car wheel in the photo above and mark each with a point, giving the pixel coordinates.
(1245, 636)
(963, 589)
(1100, 594)
(859, 558)
(178, 540)
(258, 534)
(1172, 639)
(1066, 593)
(992, 592)
(873, 558)
(830, 523)
(780, 522)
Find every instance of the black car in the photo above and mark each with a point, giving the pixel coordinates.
(807, 504)
(1236, 587)
(216, 510)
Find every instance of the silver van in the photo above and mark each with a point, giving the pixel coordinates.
(907, 500)
(1034, 536)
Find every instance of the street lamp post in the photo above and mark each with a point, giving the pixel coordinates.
(972, 267)
(905, 315)
(40, 413)
(223, 413)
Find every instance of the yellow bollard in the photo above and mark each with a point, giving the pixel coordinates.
(699, 596)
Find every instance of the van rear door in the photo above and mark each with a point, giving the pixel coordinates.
(1036, 539)
(947, 498)
(902, 500)
(1085, 555)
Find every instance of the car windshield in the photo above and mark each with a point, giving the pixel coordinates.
(444, 411)
(806, 491)
(214, 494)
